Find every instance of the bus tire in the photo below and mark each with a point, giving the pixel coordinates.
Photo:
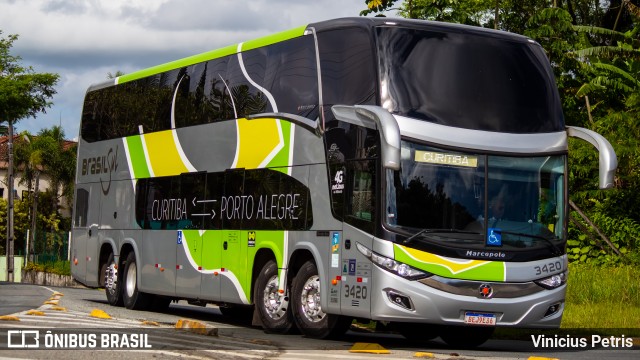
(133, 298)
(307, 312)
(466, 337)
(272, 308)
(112, 281)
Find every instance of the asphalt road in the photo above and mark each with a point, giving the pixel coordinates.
(235, 339)
(15, 297)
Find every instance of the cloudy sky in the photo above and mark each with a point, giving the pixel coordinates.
(83, 40)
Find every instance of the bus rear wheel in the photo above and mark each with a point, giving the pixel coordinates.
(307, 311)
(272, 307)
(133, 298)
(112, 283)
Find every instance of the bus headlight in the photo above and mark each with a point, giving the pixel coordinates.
(392, 266)
(553, 281)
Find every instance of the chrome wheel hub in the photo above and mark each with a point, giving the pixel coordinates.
(275, 303)
(111, 278)
(310, 299)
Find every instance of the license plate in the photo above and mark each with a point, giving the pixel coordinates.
(476, 318)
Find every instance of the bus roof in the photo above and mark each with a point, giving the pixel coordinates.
(214, 54)
(299, 31)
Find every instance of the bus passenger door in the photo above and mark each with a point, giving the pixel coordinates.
(86, 215)
(189, 237)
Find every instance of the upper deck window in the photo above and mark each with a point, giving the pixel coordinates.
(468, 80)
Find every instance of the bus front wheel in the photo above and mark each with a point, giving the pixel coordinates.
(112, 283)
(133, 298)
(307, 312)
(271, 305)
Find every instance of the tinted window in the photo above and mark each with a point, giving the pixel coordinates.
(81, 208)
(348, 68)
(468, 81)
(210, 91)
(260, 199)
(360, 190)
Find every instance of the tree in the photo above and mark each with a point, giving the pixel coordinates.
(59, 161)
(23, 93)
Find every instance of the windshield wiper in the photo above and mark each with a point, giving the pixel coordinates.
(557, 251)
(435, 231)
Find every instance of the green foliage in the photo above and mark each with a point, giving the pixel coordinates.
(615, 285)
(602, 297)
(23, 92)
(58, 267)
(377, 6)
(21, 223)
(589, 248)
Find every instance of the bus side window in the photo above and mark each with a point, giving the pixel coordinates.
(348, 67)
(217, 103)
(360, 190)
(247, 98)
(82, 207)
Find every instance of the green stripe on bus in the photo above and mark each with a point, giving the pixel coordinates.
(272, 39)
(209, 55)
(213, 54)
(138, 161)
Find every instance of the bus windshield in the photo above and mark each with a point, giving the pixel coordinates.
(477, 201)
(468, 81)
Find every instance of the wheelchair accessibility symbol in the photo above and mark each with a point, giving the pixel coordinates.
(494, 237)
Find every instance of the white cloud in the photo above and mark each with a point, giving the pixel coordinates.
(83, 40)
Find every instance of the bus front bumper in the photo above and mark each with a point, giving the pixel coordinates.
(402, 300)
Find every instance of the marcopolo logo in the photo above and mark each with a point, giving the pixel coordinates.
(102, 165)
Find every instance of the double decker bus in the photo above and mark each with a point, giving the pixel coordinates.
(408, 172)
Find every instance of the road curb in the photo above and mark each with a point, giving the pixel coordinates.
(368, 348)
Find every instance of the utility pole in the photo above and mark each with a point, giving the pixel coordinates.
(34, 212)
(10, 269)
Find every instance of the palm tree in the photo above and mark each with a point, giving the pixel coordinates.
(59, 160)
(29, 158)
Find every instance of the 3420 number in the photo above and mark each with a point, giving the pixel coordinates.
(548, 268)
(355, 291)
